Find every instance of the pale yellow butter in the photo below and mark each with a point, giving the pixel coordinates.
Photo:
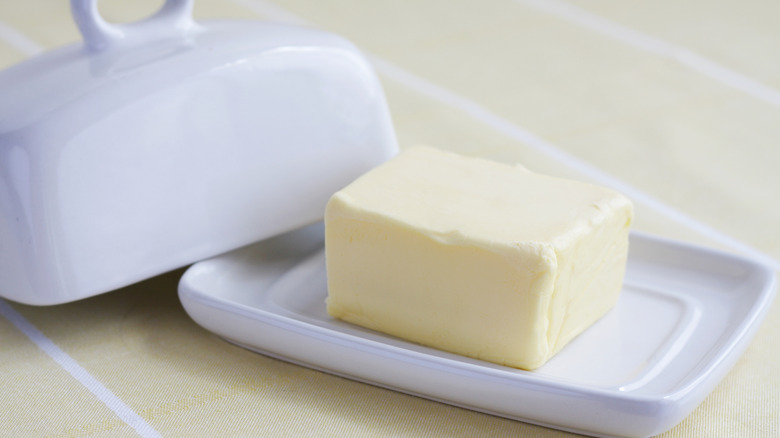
(474, 257)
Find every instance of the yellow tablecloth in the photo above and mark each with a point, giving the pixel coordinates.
(675, 103)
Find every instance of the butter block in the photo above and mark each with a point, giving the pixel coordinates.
(474, 257)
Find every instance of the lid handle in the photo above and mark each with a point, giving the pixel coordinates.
(174, 17)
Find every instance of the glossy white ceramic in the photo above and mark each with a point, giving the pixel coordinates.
(159, 143)
(684, 317)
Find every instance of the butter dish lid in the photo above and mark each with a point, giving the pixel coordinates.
(155, 144)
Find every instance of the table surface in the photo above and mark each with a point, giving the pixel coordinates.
(676, 104)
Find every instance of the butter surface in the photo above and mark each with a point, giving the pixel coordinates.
(474, 257)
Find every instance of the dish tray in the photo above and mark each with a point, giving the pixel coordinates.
(684, 317)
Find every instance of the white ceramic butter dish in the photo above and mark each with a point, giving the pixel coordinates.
(159, 143)
(684, 317)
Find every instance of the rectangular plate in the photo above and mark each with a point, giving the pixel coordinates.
(683, 318)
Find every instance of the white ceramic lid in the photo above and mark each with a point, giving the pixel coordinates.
(159, 143)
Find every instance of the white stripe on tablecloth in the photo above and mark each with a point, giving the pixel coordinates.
(18, 40)
(519, 133)
(512, 130)
(124, 412)
(631, 37)
(270, 10)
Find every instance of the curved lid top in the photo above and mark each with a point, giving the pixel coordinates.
(142, 51)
